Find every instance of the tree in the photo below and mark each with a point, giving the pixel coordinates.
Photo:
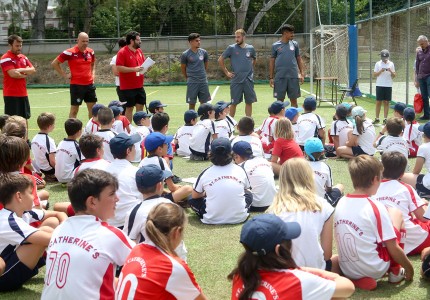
(38, 20)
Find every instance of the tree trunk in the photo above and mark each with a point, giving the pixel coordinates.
(260, 15)
(91, 8)
(38, 20)
(241, 14)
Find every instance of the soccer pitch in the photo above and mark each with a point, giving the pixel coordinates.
(212, 250)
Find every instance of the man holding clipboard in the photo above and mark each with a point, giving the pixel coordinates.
(129, 64)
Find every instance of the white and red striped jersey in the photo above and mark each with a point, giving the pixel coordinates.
(288, 284)
(150, 273)
(91, 127)
(82, 257)
(400, 195)
(268, 129)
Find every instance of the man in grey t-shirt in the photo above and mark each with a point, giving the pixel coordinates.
(194, 64)
(288, 66)
(242, 58)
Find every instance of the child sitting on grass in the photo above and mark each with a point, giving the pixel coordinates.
(184, 133)
(247, 134)
(394, 141)
(310, 124)
(143, 122)
(203, 133)
(93, 124)
(222, 126)
(106, 119)
(411, 133)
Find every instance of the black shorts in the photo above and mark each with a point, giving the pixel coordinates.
(17, 106)
(333, 197)
(356, 150)
(383, 93)
(133, 97)
(79, 93)
(16, 273)
(421, 189)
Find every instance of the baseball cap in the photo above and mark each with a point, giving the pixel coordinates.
(347, 105)
(221, 146)
(291, 112)
(358, 111)
(220, 106)
(117, 110)
(243, 149)
(155, 104)
(263, 232)
(313, 145)
(139, 116)
(277, 106)
(310, 103)
(385, 53)
(425, 129)
(119, 143)
(341, 111)
(155, 140)
(409, 114)
(190, 115)
(204, 108)
(399, 106)
(116, 103)
(149, 175)
(425, 267)
(96, 108)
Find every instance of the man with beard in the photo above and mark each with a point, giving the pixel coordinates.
(16, 67)
(194, 64)
(242, 58)
(422, 73)
(129, 62)
(81, 60)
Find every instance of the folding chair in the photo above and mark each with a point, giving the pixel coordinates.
(350, 91)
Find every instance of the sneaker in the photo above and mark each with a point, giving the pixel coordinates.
(396, 278)
(376, 121)
(365, 283)
(196, 157)
(384, 122)
(176, 179)
(50, 178)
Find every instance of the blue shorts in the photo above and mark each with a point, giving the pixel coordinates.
(243, 89)
(16, 273)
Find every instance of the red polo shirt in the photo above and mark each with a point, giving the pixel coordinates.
(80, 64)
(14, 87)
(128, 58)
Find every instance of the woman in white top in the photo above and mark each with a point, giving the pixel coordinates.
(297, 201)
(361, 138)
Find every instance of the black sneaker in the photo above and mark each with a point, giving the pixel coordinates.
(376, 121)
(176, 179)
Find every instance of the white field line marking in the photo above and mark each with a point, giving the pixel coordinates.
(152, 93)
(214, 94)
(57, 92)
(309, 93)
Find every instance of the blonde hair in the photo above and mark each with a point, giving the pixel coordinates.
(296, 188)
(284, 129)
(240, 31)
(162, 219)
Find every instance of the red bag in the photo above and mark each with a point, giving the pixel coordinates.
(418, 103)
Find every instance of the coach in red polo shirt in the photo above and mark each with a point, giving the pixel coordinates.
(16, 67)
(81, 60)
(129, 62)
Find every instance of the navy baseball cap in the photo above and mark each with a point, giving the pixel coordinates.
(425, 129)
(116, 103)
(262, 233)
(190, 115)
(221, 146)
(139, 116)
(341, 111)
(204, 108)
(313, 145)
(156, 104)
(409, 114)
(310, 103)
(121, 142)
(291, 112)
(117, 110)
(156, 139)
(277, 106)
(220, 106)
(149, 175)
(243, 149)
(96, 108)
(399, 107)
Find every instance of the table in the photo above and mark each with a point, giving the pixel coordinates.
(319, 96)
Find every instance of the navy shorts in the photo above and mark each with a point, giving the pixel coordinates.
(79, 93)
(289, 86)
(243, 89)
(356, 150)
(421, 189)
(383, 93)
(200, 90)
(16, 273)
(333, 197)
(17, 106)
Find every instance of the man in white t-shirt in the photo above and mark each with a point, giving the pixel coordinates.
(123, 150)
(220, 194)
(260, 175)
(85, 248)
(384, 72)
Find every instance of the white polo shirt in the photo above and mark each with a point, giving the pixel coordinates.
(340, 128)
(268, 129)
(367, 137)
(223, 128)
(424, 152)
(39, 146)
(118, 126)
(91, 127)
(67, 159)
(308, 124)
(143, 131)
(322, 176)
(411, 133)
(202, 135)
(255, 142)
(183, 136)
(107, 135)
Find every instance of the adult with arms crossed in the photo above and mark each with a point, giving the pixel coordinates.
(242, 58)
(422, 72)
(129, 62)
(16, 67)
(287, 66)
(81, 60)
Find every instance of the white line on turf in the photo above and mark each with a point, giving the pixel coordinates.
(57, 92)
(152, 93)
(214, 94)
(309, 93)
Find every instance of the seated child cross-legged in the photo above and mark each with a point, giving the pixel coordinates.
(394, 141)
(394, 193)
(373, 229)
(246, 133)
(184, 133)
(411, 132)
